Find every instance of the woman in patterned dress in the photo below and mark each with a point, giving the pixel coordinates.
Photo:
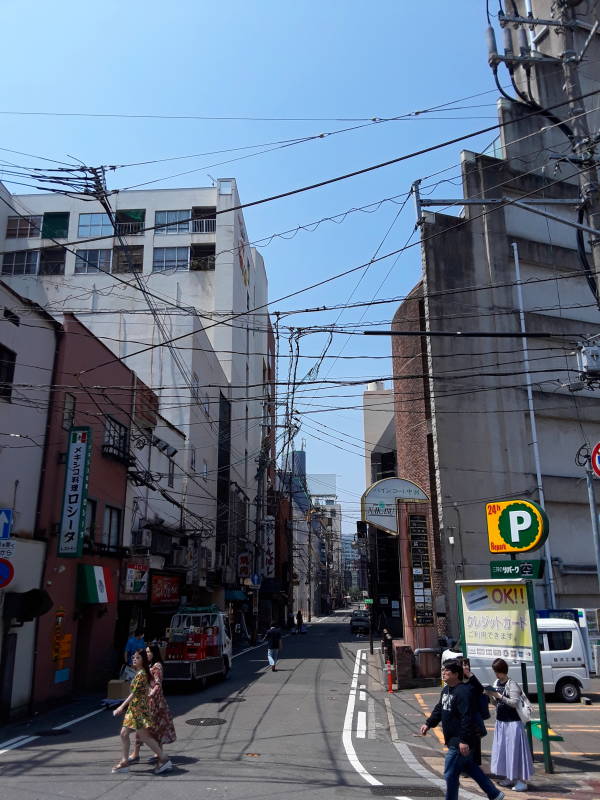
(162, 728)
(138, 717)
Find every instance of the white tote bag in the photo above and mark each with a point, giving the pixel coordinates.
(523, 707)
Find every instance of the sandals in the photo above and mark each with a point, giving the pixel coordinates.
(166, 766)
(120, 767)
(133, 759)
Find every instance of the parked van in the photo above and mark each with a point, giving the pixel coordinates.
(565, 667)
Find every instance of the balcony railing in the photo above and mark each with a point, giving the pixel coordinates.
(129, 228)
(204, 225)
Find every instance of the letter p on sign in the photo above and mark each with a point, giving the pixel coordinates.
(515, 526)
(518, 521)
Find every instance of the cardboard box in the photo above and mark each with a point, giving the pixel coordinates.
(117, 690)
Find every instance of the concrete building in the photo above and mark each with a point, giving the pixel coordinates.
(28, 342)
(379, 433)
(168, 265)
(463, 430)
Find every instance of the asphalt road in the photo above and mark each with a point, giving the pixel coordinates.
(322, 727)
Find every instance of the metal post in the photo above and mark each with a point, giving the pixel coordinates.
(539, 679)
(370, 585)
(588, 178)
(524, 682)
(549, 589)
(594, 514)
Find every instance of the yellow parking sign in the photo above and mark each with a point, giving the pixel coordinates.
(515, 526)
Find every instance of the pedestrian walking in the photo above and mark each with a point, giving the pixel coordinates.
(138, 719)
(162, 730)
(135, 642)
(273, 639)
(299, 621)
(387, 646)
(455, 711)
(480, 706)
(511, 756)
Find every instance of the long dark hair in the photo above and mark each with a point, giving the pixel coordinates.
(145, 664)
(156, 656)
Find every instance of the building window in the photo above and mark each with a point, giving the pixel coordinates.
(193, 459)
(131, 222)
(111, 529)
(204, 469)
(203, 257)
(52, 261)
(55, 225)
(128, 259)
(10, 316)
(88, 261)
(23, 227)
(225, 187)
(7, 372)
(68, 411)
(166, 258)
(171, 474)
(116, 439)
(95, 225)
(171, 222)
(90, 520)
(21, 262)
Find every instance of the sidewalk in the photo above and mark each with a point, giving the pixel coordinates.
(576, 760)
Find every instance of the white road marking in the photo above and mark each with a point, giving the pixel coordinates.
(371, 718)
(347, 733)
(19, 743)
(12, 741)
(361, 724)
(362, 696)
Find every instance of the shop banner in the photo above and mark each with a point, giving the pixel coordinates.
(165, 590)
(72, 525)
(496, 621)
(136, 573)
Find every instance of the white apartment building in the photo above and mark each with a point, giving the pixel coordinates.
(171, 264)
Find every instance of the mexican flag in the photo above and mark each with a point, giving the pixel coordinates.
(95, 584)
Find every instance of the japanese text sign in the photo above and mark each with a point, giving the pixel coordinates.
(496, 620)
(515, 526)
(72, 525)
(165, 590)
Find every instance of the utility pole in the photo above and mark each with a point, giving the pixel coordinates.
(584, 144)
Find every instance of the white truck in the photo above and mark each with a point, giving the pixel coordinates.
(198, 644)
(565, 667)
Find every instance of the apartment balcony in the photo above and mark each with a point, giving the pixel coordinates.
(207, 225)
(129, 228)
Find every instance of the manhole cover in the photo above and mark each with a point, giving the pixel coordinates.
(52, 732)
(205, 722)
(415, 791)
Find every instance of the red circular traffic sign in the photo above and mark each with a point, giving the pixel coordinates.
(7, 572)
(595, 459)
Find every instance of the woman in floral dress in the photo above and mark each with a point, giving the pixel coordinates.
(162, 729)
(138, 717)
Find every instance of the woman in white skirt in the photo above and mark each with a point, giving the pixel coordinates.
(511, 755)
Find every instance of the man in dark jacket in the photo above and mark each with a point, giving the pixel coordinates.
(273, 639)
(455, 710)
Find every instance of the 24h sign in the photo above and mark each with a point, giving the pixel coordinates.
(515, 526)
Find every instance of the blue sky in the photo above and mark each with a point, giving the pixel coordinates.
(328, 60)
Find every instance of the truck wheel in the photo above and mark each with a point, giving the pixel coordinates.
(568, 691)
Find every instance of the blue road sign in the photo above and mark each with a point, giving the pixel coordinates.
(6, 521)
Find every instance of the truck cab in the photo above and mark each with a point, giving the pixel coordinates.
(198, 644)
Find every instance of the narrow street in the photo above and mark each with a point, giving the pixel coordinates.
(321, 726)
